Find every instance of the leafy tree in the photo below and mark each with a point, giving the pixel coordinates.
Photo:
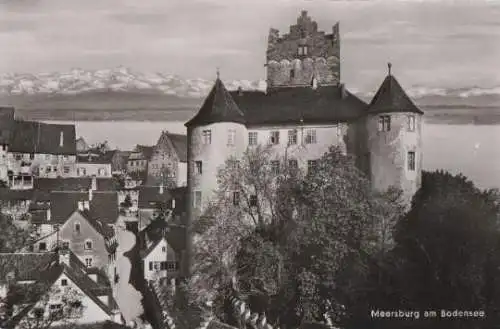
(447, 256)
(13, 238)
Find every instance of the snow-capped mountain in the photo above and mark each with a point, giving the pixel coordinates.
(119, 79)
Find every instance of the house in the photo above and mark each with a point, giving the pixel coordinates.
(15, 203)
(57, 281)
(81, 145)
(93, 164)
(139, 158)
(153, 199)
(41, 150)
(161, 249)
(306, 110)
(168, 163)
(82, 222)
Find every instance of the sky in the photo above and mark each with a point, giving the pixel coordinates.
(434, 44)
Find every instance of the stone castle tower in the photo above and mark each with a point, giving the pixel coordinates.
(303, 55)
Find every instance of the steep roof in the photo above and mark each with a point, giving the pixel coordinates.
(174, 234)
(219, 106)
(391, 98)
(325, 104)
(104, 207)
(37, 137)
(180, 145)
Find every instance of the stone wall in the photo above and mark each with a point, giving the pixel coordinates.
(322, 60)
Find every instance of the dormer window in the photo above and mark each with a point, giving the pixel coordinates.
(302, 51)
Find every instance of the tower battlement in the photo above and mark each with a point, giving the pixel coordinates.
(303, 54)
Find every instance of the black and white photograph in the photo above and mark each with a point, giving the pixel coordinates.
(249, 164)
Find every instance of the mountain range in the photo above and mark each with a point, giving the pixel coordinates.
(123, 88)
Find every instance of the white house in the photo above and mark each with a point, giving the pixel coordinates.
(159, 260)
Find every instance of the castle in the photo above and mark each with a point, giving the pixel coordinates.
(305, 110)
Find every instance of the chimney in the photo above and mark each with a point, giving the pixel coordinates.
(61, 139)
(64, 256)
(49, 215)
(80, 205)
(161, 188)
(86, 205)
(94, 183)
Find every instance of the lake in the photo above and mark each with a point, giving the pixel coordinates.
(469, 149)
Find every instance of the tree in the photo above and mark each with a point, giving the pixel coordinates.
(33, 305)
(288, 236)
(446, 256)
(13, 238)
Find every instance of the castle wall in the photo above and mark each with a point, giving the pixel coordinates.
(388, 154)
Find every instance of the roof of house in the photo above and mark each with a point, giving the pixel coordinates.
(175, 234)
(391, 98)
(143, 253)
(219, 106)
(45, 138)
(7, 194)
(150, 196)
(93, 158)
(74, 184)
(145, 151)
(25, 266)
(104, 207)
(180, 145)
(6, 123)
(294, 105)
(64, 204)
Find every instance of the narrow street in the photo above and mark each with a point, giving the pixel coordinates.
(127, 297)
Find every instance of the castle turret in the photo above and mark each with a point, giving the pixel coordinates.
(214, 134)
(394, 139)
(295, 58)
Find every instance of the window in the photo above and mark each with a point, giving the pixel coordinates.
(411, 123)
(88, 262)
(292, 137)
(293, 164)
(274, 138)
(275, 167)
(252, 138)
(302, 50)
(384, 123)
(207, 137)
(88, 245)
(233, 164)
(150, 266)
(163, 266)
(55, 311)
(77, 228)
(236, 198)
(231, 136)
(310, 136)
(47, 169)
(66, 169)
(292, 74)
(64, 282)
(171, 266)
(311, 166)
(197, 199)
(32, 156)
(253, 201)
(199, 167)
(164, 249)
(42, 246)
(18, 156)
(411, 161)
(157, 266)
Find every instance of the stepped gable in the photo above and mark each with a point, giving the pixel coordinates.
(219, 106)
(325, 104)
(391, 98)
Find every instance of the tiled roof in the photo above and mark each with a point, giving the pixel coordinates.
(180, 145)
(102, 228)
(391, 98)
(63, 204)
(327, 104)
(7, 194)
(37, 137)
(149, 196)
(6, 124)
(175, 234)
(74, 184)
(25, 266)
(104, 207)
(219, 106)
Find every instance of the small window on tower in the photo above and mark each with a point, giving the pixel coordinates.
(384, 123)
(411, 161)
(411, 123)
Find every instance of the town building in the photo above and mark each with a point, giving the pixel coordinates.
(56, 274)
(139, 158)
(305, 110)
(168, 162)
(94, 165)
(155, 199)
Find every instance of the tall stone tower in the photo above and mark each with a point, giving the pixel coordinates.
(214, 134)
(393, 125)
(303, 56)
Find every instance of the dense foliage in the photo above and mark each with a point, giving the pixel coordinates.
(14, 237)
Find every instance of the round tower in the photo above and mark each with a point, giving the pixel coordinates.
(214, 134)
(394, 140)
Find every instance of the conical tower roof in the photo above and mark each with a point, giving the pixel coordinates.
(219, 106)
(391, 98)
